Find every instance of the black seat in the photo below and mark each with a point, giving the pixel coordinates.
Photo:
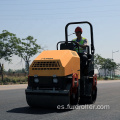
(64, 46)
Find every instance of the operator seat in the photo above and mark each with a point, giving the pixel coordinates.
(64, 46)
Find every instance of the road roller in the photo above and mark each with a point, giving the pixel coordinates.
(56, 77)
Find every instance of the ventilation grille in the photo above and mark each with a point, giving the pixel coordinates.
(46, 65)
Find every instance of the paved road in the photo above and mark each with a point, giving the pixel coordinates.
(13, 106)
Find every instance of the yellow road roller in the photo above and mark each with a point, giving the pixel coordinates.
(56, 77)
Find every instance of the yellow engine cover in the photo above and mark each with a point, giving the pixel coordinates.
(56, 62)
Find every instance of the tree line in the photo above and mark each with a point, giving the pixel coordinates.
(105, 64)
(15, 71)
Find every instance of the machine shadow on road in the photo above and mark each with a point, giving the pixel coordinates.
(29, 110)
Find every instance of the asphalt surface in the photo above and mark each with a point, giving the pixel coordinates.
(13, 106)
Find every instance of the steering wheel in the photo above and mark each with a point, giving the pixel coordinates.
(76, 45)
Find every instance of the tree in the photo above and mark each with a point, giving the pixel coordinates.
(110, 65)
(27, 49)
(10, 70)
(8, 43)
(98, 62)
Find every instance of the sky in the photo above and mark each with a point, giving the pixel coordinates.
(46, 20)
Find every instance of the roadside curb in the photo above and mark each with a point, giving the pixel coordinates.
(11, 87)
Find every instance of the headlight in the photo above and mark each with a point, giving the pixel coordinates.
(55, 80)
(36, 80)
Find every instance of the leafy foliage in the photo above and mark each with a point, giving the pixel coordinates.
(27, 48)
(98, 61)
(105, 63)
(11, 45)
(8, 42)
(16, 71)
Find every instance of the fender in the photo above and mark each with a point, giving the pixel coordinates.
(75, 83)
(94, 81)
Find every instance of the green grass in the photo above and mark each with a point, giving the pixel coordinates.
(13, 80)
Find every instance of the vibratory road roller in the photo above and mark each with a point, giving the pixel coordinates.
(57, 78)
